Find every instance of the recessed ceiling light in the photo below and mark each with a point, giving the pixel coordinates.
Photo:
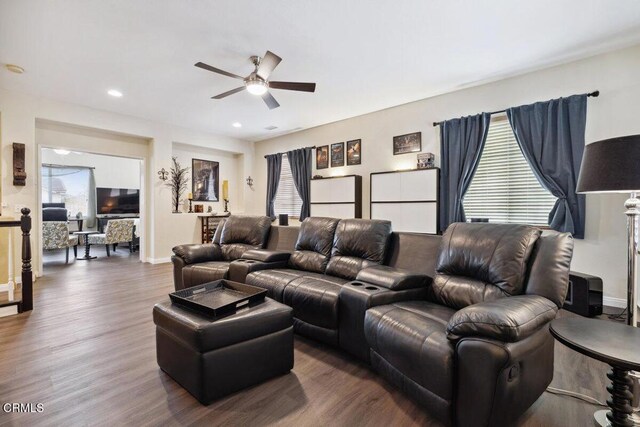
(14, 68)
(61, 152)
(237, 125)
(115, 93)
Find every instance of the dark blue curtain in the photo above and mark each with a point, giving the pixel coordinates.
(301, 163)
(551, 137)
(461, 144)
(274, 166)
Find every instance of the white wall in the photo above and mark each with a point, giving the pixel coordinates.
(614, 113)
(108, 171)
(21, 115)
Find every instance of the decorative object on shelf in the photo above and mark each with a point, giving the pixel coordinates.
(408, 143)
(426, 160)
(198, 208)
(322, 157)
(190, 197)
(354, 152)
(178, 183)
(318, 176)
(337, 154)
(225, 194)
(283, 219)
(250, 182)
(163, 174)
(205, 180)
(19, 172)
(611, 166)
(209, 209)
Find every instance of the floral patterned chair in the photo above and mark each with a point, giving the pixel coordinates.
(55, 235)
(116, 231)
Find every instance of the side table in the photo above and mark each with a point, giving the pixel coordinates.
(85, 234)
(613, 343)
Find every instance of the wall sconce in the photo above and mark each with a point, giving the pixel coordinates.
(250, 182)
(163, 174)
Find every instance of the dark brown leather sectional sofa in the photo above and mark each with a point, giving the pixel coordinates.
(459, 322)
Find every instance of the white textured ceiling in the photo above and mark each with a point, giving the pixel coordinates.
(363, 55)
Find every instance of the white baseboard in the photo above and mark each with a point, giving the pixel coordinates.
(158, 260)
(614, 302)
(8, 311)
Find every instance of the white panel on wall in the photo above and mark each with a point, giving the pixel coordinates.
(341, 210)
(409, 217)
(409, 199)
(341, 189)
(406, 186)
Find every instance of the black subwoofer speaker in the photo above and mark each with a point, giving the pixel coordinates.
(584, 296)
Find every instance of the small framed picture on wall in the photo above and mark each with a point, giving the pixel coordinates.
(354, 152)
(337, 154)
(408, 143)
(322, 157)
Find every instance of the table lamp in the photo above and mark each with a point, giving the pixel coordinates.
(613, 166)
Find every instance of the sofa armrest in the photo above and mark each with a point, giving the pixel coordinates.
(240, 268)
(508, 319)
(395, 279)
(355, 299)
(196, 253)
(266, 255)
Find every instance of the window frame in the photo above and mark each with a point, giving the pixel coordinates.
(285, 161)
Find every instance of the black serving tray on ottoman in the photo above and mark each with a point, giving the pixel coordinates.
(213, 357)
(218, 298)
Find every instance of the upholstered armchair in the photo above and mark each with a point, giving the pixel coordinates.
(116, 231)
(55, 235)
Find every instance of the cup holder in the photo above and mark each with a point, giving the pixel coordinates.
(356, 284)
(371, 288)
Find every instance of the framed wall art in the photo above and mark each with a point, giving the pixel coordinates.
(408, 143)
(354, 152)
(322, 157)
(205, 176)
(337, 154)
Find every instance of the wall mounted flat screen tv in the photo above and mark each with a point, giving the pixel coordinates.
(117, 201)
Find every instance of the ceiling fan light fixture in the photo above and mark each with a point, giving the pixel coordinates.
(256, 87)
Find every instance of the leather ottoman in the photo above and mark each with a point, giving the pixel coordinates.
(214, 358)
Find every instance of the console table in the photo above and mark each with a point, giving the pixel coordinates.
(613, 343)
(209, 225)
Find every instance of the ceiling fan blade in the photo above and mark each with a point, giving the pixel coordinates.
(303, 87)
(217, 70)
(268, 64)
(229, 92)
(270, 101)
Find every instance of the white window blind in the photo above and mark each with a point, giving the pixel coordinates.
(287, 199)
(504, 189)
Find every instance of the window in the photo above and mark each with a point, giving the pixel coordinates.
(287, 199)
(70, 185)
(504, 189)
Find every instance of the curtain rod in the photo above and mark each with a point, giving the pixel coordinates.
(313, 148)
(594, 94)
(51, 165)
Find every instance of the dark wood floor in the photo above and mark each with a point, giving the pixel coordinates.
(87, 353)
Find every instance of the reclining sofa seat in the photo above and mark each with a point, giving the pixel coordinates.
(194, 264)
(478, 351)
(328, 254)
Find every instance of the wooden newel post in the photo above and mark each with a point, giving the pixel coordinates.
(27, 275)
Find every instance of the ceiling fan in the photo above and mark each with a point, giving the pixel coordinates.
(257, 83)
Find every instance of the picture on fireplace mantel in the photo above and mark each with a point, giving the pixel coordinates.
(337, 154)
(354, 152)
(205, 180)
(408, 143)
(322, 157)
